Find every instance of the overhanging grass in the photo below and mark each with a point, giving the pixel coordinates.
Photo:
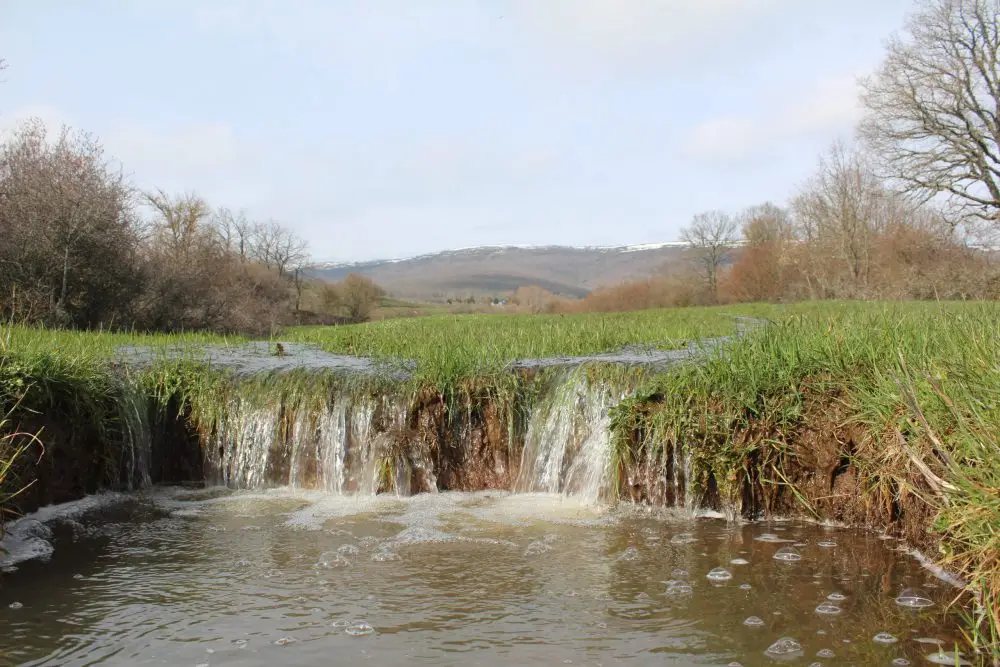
(921, 379)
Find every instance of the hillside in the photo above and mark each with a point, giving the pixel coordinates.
(499, 270)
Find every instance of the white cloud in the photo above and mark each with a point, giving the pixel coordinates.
(634, 30)
(52, 118)
(828, 107)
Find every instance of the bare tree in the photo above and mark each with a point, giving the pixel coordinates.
(67, 223)
(933, 108)
(710, 239)
(181, 219)
(841, 210)
(236, 232)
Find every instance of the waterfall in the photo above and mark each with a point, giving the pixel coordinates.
(567, 447)
(333, 445)
(137, 437)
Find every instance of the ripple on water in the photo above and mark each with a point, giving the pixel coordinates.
(836, 597)
(914, 598)
(739, 561)
(719, 574)
(285, 641)
(15, 605)
(900, 662)
(683, 538)
(678, 573)
(677, 588)
(536, 548)
(787, 554)
(826, 544)
(753, 621)
(786, 647)
(884, 638)
(825, 653)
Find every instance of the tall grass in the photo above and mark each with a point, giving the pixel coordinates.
(920, 380)
(447, 348)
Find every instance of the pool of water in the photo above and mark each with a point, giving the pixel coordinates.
(215, 577)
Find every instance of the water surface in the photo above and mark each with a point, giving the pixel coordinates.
(217, 577)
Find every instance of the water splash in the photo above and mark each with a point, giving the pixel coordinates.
(567, 447)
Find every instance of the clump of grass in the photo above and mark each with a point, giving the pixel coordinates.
(447, 349)
(921, 380)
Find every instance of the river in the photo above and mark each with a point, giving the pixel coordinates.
(215, 576)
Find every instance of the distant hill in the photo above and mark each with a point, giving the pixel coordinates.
(499, 270)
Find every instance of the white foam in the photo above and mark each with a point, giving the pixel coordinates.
(29, 536)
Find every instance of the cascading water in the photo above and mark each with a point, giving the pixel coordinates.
(567, 447)
(354, 442)
(332, 445)
(133, 415)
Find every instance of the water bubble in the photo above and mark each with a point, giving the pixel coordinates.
(949, 658)
(914, 598)
(786, 647)
(243, 562)
(384, 555)
(787, 554)
(753, 621)
(340, 623)
(285, 641)
(826, 544)
(825, 653)
(739, 561)
(15, 605)
(719, 574)
(359, 630)
(347, 550)
(836, 597)
(829, 609)
(884, 638)
(745, 587)
(683, 538)
(629, 554)
(678, 588)
(900, 662)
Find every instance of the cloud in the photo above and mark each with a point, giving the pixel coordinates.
(52, 118)
(636, 31)
(827, 107)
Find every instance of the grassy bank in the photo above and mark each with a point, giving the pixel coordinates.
(901, 399)
(906, 397)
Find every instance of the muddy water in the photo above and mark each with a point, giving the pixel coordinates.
(215, 577)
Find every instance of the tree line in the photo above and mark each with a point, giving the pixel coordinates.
(83, 248)
(909, 209)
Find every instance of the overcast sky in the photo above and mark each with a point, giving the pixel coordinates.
(387, 128)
